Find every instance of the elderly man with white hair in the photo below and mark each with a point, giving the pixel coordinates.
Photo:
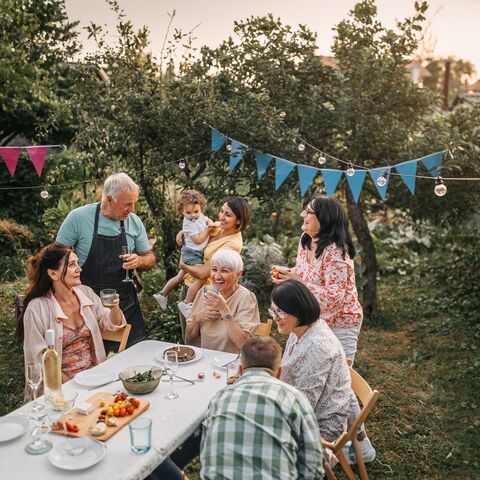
(227, 315)
(97, 232)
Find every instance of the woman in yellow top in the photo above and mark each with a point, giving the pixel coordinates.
(234, 217)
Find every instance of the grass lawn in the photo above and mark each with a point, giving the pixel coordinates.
(422, 358)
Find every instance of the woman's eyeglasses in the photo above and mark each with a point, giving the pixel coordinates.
(276, 313)
(308, 211)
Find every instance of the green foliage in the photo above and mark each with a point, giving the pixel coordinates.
(259, 257)
(16, 243)
(36, 43)
(453, 268)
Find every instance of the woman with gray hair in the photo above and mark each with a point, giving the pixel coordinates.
(224, 314)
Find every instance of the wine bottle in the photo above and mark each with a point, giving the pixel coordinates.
(52, 369)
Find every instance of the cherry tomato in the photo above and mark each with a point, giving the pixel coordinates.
(130, 410)
(123, 411)
(116, 412)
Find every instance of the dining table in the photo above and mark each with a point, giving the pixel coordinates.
(173, 421)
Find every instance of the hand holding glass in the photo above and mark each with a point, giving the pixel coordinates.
(126, 250)
(108, 296)
(171, 365)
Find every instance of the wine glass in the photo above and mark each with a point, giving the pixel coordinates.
(171, 365)
(33, 375)
(126, 250)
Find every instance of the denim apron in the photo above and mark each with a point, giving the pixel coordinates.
(103, 269)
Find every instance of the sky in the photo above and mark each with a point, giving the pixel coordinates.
(453, 24)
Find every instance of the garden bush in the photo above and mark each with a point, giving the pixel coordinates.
(16, 245)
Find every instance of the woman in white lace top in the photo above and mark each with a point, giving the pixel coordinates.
(313, 360)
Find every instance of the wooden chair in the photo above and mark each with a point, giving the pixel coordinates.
(263, 329)
(368, 398)
(120, 336)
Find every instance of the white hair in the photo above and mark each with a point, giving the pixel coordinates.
(226, 257)
(117, 184)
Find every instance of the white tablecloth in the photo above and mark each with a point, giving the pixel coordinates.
(173, 422)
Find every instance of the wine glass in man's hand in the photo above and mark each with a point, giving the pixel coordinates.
(126, 251)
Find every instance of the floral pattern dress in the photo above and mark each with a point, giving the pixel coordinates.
(331, 279)
(315, 364)
(77, 350)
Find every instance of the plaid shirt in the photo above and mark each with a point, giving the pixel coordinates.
(260, 428)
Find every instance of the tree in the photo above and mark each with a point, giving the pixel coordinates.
(377, 107)
(37, 42)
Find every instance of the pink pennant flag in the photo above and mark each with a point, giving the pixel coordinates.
(10, 157)
(37, 156)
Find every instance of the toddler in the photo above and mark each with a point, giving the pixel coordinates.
(196, 233)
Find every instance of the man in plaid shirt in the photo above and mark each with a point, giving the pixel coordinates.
(260, 427)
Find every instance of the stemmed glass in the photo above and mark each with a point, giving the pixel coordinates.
(126, 250)
(171, 365)
(33, 375)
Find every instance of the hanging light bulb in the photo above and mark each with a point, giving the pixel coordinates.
(440, 188)
(382, 180)
(181, 164)
(282, 115)
(44, 193)
(321, 159)
(350, 170)
(229, 147)
(301, 147)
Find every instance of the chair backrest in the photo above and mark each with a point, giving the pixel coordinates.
(368, 398)
(263, 329)
(120, 336)
(365, 394)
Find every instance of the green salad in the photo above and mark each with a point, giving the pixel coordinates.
(141, 377)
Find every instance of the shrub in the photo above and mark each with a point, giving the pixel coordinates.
(16, 244)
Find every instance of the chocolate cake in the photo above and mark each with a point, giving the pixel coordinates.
(184, 353)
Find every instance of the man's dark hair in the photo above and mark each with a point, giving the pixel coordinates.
(261, 352)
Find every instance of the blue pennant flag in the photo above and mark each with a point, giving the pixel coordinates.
(282, 170)
(236, 154)
(356, 182)
(407, 171)
(218, 140)
(306, 174)
(376, 174)
(433, 163)
(263, 161)
(331, 179)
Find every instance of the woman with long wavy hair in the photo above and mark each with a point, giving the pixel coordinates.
(56, 299)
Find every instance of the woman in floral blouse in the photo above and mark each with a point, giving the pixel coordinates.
(325, 265)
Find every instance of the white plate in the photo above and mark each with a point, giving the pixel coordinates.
(12, 426)
(95, 377)
(222, 359)
(93, 453)
(198, 355)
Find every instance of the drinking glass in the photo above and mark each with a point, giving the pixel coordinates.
(171, 365)
(38, 444)
(140, 434)
(107, 296)
(126, 250)
(33, 375)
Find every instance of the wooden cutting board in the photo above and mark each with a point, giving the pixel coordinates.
(84, 422)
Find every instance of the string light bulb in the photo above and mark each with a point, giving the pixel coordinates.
(44, 193)
(322, 159)
(229, 147)
(440, 188)
(350, 170)
(282, 115)
(181, 164)
(301, 147)
(382, 179)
